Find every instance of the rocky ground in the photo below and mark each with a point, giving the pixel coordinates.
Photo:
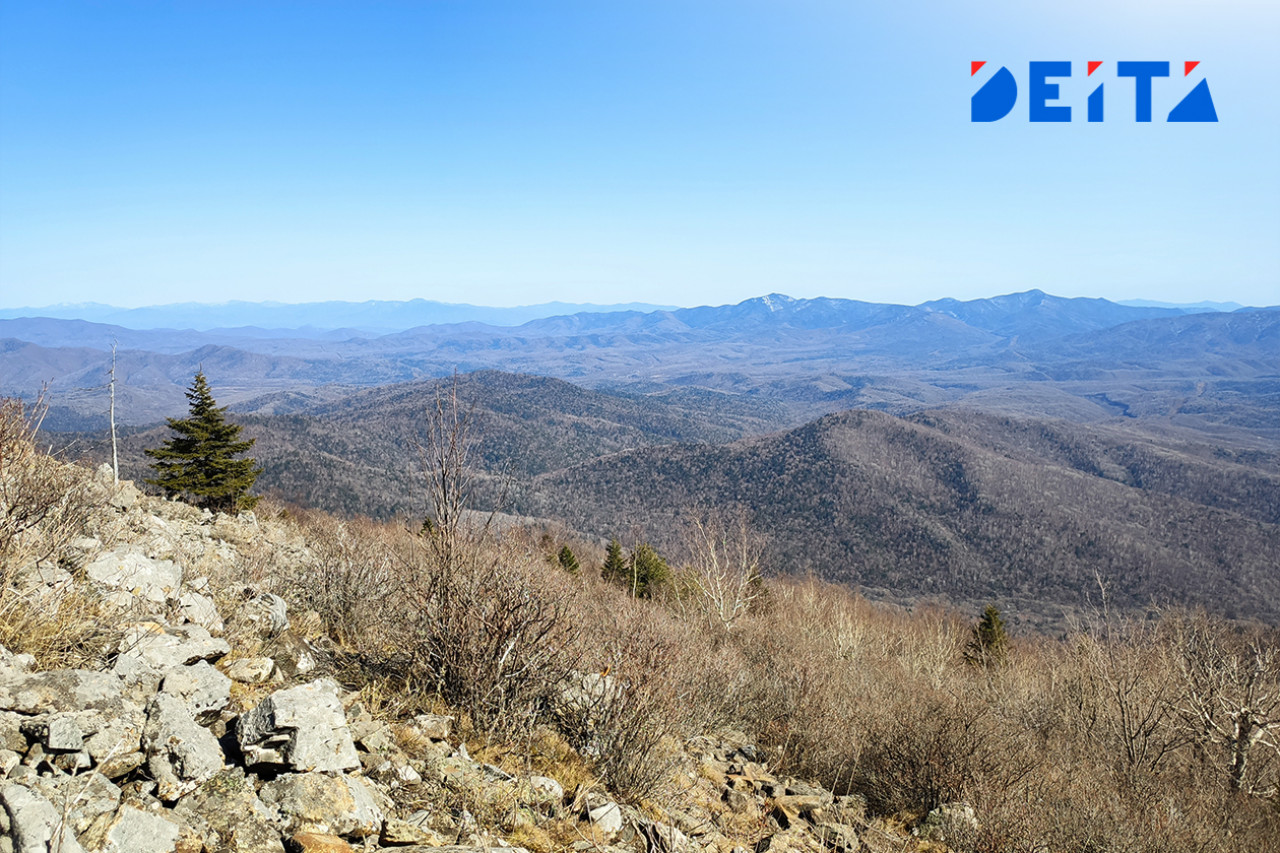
(210, 717)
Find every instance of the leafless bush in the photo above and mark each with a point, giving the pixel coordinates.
(44, 503)
(492, 633)
(627, 715)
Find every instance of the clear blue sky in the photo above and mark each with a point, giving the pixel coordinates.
(683, 152)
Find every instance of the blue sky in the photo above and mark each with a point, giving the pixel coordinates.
(615, 150)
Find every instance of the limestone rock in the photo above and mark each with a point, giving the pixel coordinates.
(34, 824)
(128, 569)
(134, 830)
(83, 799)
(433, 726)
(303, 728)
(270, 612)
(337, 805)
(231, 811)
(180, 753)
(205, 690)
(59, 690)
(250, 670)
(201, 610)
(165, 647)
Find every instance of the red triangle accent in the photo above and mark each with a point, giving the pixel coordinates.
(1187, 67)
(975, 65)
(1093, 65)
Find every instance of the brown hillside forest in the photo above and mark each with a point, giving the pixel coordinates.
(1153, 728)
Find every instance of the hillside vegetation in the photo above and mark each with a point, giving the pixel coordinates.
(807, 718)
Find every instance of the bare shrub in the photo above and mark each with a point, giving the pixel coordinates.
(492, 633)
(44, 503)
(645, 694)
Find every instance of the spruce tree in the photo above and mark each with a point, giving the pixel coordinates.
(615, 567)
(989, 643)
(567, 560)
(198, 463)
(649, 572)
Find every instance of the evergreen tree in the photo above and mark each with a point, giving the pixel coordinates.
(567, 560)
(198, 463)
(989, 644)
(615, 567)
(649, 572)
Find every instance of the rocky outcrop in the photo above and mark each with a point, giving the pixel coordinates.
(208, 731)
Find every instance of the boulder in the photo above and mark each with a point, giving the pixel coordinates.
(33, 824)
(59, 690)
(164, 647)
(180, 753)
(237, 821)
(128, 569)
(83, 799)
(303, 728)
(60, 732)
(250, 670)
(134, 830)
(205, 690)
(319, 803)
(200, 610)
(269, 612)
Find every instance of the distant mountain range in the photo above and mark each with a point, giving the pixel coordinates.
(309, 319)
(1031, 352)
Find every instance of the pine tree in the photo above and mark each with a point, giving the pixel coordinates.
(567, 560)
(198, 463)
(649, 572)
(615, 566)
(989, 644)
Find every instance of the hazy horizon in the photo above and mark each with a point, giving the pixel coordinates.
(621, 305)
(671, 152)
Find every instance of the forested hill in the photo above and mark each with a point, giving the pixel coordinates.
(969, 507)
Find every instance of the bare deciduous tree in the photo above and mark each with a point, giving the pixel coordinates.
(723, 572)
(1230, 702)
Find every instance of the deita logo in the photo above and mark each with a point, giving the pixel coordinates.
(998, 95)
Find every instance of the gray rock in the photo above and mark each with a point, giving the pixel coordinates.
(180, 754)
(433, 726)
(228, 807)
(303, 728)
(545, 790)
(134, 830)
(201, 610)
(35, 826)
(607, 818)
(128, 569)
(43, 581)
(166, 647)
(948, 820)
(205, 690)
(11, 736)
(250, 670)
(22, 663)
(293, 655)
(270, 612)
(59, 690)
(83, 799)
(111, 736)
(338, 805)
(59, 732)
